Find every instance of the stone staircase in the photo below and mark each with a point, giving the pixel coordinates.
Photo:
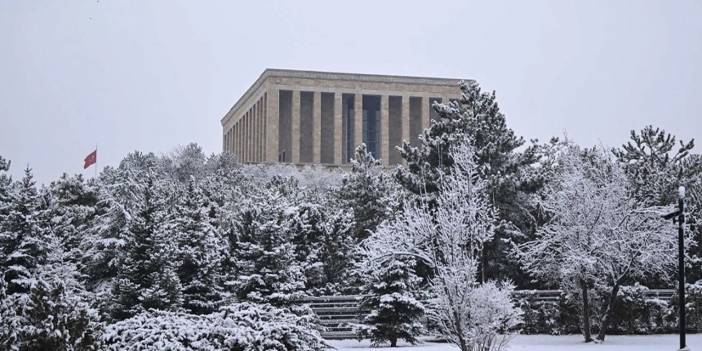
(335, 314)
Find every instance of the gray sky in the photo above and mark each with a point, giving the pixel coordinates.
(152, 75)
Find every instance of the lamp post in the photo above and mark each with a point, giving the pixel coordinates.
(681, 265)
(679, 218)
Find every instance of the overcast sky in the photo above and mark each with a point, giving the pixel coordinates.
(152, 75)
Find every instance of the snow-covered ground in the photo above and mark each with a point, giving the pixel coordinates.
(552, 343)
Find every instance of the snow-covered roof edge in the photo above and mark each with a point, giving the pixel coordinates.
(362, 77)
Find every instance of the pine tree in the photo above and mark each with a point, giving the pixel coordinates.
(655, 163)
(140, 262)
(449, 237)
(53, 320)
(120, 193)
(323, 244)
(368, 191)
(55, 314)
(390, 298)
(266, 268)
(5, 183)
(476, 118)
(198, 253)
(22, 236)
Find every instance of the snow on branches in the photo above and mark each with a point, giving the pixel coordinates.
(449, 238)
(597, 235)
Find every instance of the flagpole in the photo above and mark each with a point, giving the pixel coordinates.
(96, 162)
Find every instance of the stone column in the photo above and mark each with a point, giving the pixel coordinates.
(337, 129)
(357, 121)
(254, 130)
(272, 125)
(295, 127)
(259, 131)
(384, 130)
(263, 128)
(247, 135)
(317, 127)
(425, 112)
(238, 140)
(405, 118)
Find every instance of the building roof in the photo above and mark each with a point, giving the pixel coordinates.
(380, 78)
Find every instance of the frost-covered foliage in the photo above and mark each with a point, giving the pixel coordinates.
(656, 164)
(56, 312)
(597, 235)
(390, 296)
(239, 327)
(49, 317)
(509, 179)
(449, 238)
(368, 191)
(23, 235)
(264, 255)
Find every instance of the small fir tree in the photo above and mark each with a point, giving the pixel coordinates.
(22, 236)
(390, 298)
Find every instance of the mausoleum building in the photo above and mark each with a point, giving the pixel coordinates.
(307, 117)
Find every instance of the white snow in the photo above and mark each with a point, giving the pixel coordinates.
(549, 343)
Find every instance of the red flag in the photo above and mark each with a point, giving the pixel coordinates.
(90, 159)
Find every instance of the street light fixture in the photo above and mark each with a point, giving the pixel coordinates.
(679, 218)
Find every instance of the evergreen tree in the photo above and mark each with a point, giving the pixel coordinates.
(198, 253)
(22, 236)
(368, 191)
(142, 263)
(55, 314)
(120, 193)
(72, 210)
(266, 269)
(476, 117)
(390, 298)
(655, 163)
(52, 320)
(5, 183)
(323, 244)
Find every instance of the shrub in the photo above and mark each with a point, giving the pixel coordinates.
(238, 327)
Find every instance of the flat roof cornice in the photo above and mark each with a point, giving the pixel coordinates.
(375, 78)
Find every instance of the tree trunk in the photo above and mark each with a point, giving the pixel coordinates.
(606, 315)
(393, 341)
(586, 312)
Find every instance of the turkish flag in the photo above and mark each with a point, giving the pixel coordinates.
(90, 159)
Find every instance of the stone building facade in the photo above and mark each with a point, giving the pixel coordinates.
(307, 117)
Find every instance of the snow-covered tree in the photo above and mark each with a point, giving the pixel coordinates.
(449, 237)
(120, 194)
(198, 253)
(597, 235)
(5, 183)
(654, 160)
(55, 314)
(148, 266)
(242, 326)
(72, 210)
(657, 163)
(22, 235)
(323, 242)
(186, 162)
(266, 266)
(390, 297)
(476, 116)
(368, 191)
